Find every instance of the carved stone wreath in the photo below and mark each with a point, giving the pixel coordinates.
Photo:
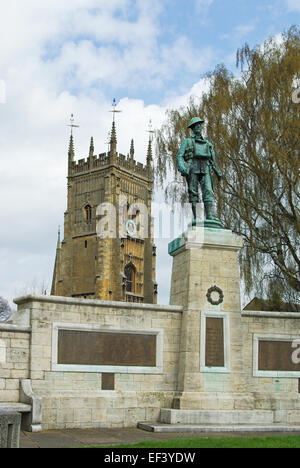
(217, 290)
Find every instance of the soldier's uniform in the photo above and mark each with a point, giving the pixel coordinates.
(196, 161)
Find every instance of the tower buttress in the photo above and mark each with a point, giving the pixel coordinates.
(89, 265)
(132, 149)
(150, 159)
(113, 144)
(56, 272)
(92, 148)
(71, 154)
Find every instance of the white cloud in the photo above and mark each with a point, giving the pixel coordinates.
(34, 142)
(183, 56)
(293, 5)
(202, 8)
(204, 3)
(2, 92)
(81, 44)
(56, 58)
(240, 31)
(244, 29)
(175, 101)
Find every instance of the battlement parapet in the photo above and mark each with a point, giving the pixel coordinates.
(131, 165)
(87, 164)
(95, 162)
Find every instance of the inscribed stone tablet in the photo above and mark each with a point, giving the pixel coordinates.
(214, 343)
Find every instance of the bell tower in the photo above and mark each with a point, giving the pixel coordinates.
(89, 263)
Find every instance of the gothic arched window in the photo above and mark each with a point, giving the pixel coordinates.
(88, 213)
(129, 272)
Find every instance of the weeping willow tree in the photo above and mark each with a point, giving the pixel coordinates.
(5, 310)
(254, 124)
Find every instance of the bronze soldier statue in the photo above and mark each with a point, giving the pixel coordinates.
(196, 161)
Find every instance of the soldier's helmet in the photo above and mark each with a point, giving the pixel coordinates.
(194, 121)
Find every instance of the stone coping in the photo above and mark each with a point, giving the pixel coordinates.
(7, 327)
(15, 407)
(265, 314)
(96, 303)
(212, 428)
(197, 237)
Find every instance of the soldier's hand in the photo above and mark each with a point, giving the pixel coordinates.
(184, 171)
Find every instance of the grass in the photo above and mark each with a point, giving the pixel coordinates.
(224, 442)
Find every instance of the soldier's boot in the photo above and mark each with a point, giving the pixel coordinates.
(194, 210)
(197, 213)
(209, 211)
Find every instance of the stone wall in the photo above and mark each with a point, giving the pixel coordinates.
(271, 390)
(78, 395)
(73, 397)
(203, 259)
(221, 345)
(14, 360)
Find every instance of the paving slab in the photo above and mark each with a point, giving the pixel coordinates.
(76, 438)
(49, 439)
(224, 428)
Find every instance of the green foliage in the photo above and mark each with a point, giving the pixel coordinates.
(254, 126)
(224, 442)
(5, 310)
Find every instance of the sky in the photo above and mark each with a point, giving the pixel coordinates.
(59, 57)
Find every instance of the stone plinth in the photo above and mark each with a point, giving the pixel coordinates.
(203, 258)
(206, 282)
(10, 424)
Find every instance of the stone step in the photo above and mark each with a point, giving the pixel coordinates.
(16, 407)
(211, 428)
(203, 417)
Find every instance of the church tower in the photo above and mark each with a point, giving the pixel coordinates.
(107, 252)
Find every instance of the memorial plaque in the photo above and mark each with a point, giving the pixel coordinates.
(214, 343)
(108, 381)
(89, 348)
(276, 356)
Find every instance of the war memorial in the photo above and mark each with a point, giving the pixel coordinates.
(100, 352)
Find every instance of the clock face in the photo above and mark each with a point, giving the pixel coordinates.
(131, 228)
